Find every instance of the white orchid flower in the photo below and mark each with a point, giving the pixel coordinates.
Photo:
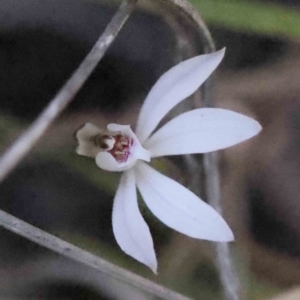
(197, 131)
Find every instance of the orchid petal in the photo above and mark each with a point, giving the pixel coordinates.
(130, 230)
(179, 208)
(200, 131)
(172, 87)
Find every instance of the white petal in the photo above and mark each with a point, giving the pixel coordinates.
(172, 87)
(200, 131)
(130, 229)
(179, 208)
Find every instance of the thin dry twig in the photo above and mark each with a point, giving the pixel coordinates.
(66, 249)
(26, 141)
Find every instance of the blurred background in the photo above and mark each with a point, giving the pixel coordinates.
(42, 42)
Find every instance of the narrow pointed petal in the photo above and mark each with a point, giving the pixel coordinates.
(172, 87)
(200, 131)
(179, 208)
(130, 230)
